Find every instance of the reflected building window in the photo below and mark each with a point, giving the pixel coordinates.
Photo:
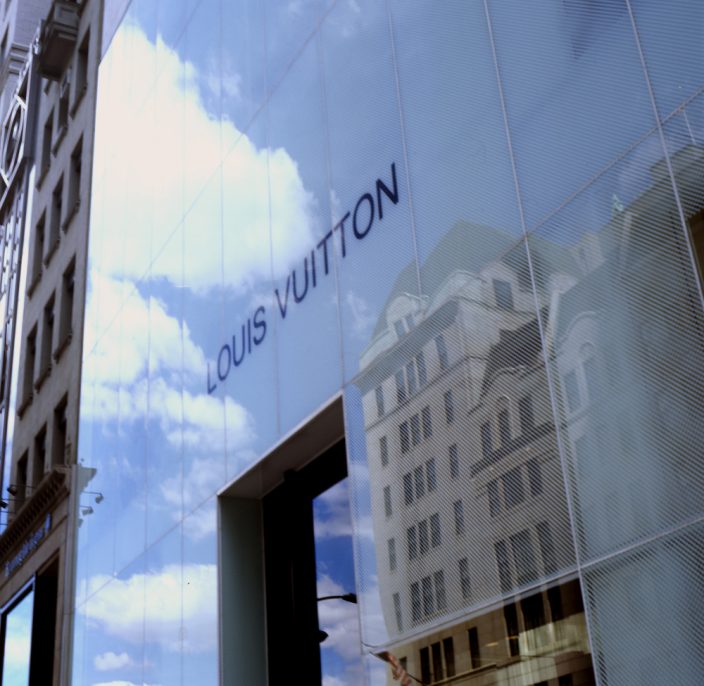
(423, 540)
(448, 650)
(415, 429)
(535, 476)
(428, 599)
(465, 587)
(416, 613)
(547, 549)
(419, 478)
(441, 348)
(431, 475)
(590, 370)
(511, 619)
(397, 611)
(408, 488)
(435, 538)
(39, 462)
(523, 557)
(512, 483)
(411, 543)
(454, 461)
(384, 451)
(425, 675)
(533, 611)
(400, 386)
(427, 423)
(379, 393)
(387, 501)
(440, 595)
(502, 564)
(504, 422)
(405, 437)
(525, 414)
(474, 652)
(449, 407)
(392, 554)
(503, 294)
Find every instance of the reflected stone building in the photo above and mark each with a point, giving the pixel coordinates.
(361, 339)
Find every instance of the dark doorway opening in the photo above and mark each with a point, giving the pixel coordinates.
(293, 633)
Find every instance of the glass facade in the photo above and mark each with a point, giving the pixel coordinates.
(481, 225)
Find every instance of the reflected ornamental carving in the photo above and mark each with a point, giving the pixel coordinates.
(12, 139)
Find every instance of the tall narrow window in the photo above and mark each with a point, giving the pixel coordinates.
(58, 441)
(21, 481)
(422, 372)
(427, 422)
(387, 501)
(428, 599)
(419, 478)
(504, 427)
(425, 675)
(512, 483)
(74, 182)
(47, 338)
(383, 442)
(431, 474)
(411, 543)
(400, 386)
(436, 654)
(449, 407)
(55, 218)
(465, 587)
(29, 365)
(46, 143)
(475, 656)
(435, 538)
(547, 549)
(448, 649)
(535, 476)
(411, 379)
(533, 611)
(404, 437)
(408, 488)
(454, 461)
(39, 462)
(511, 619)
(502, 565)
(37, 251)
(442, 352)
(525, 414)
(415, 602)
(415, 429)
(379, 393)
(523, 557)
(423, 545)
(397, 610)
(392, 554)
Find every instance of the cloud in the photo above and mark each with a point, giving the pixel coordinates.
(153, 604)
(109, 661)
(363, 317)
(332, 513)
(339, 620)
(259, 183)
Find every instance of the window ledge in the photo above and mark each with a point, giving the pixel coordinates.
(52, 249)
(62, 346)
(80, 94)
(73, 211)
(31, 287)
(42, 377)
(60, 134)
(25, 404)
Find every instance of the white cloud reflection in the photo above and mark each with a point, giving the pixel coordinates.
(153, 604)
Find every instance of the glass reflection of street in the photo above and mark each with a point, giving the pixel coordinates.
(340, 654)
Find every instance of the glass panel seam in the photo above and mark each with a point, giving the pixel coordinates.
(668, 161)
(554, 406)
(404, 147)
